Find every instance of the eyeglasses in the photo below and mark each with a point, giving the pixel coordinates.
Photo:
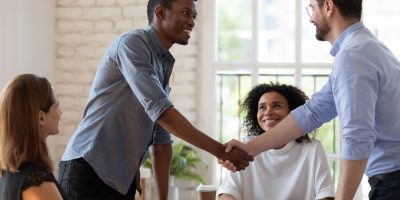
(310, 8)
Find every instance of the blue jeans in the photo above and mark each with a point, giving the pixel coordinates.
(80, 182)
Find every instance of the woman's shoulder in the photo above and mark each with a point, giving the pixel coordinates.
(28, 174)
(248, 138)
(35, 175)
(41, 183)
(312, 144)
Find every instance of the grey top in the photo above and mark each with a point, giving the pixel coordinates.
(12, 185)
(130, 91)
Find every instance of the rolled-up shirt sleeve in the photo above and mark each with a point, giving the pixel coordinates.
(135, 63)
(161, 136)
(316, 111)
(355, 86)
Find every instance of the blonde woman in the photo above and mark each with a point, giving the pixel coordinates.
(28, 114)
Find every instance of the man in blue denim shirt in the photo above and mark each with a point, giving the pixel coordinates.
(363, 90)
(128, 110)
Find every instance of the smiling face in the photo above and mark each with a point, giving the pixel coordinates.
(272, 108)
(175, 24)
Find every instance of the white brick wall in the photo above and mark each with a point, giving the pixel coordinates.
(84, 29)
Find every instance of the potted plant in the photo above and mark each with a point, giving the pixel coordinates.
(183, 163)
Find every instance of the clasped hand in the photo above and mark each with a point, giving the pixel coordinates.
(238, 156)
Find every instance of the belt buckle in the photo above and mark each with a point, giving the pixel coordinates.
(373, 181)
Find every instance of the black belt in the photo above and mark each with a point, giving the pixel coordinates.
(374, 180)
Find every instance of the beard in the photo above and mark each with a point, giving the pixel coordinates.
(322, 31)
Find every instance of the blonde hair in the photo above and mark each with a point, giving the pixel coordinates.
(21, 100)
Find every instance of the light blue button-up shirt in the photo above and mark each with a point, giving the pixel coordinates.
(364, 90)
(130, 91)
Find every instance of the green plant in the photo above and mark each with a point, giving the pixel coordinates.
(183, 163)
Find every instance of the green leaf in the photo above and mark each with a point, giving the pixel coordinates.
(183, 163)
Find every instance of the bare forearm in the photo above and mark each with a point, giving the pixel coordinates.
(351, 172)
(284, 132)
(162, 154)
(178, 125)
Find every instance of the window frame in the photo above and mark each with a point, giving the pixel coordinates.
(209, 66)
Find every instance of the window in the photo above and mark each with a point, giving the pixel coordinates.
(258, 41)
(263, 43)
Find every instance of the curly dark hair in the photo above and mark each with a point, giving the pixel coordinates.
(249, 107)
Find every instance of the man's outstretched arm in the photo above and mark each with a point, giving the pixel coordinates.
(284, 132)
(175, 123)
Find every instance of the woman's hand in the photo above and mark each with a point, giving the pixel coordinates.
(238, 144)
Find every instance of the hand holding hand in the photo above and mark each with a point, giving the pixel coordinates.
(230, 164)
(235, 143)
(235, 159)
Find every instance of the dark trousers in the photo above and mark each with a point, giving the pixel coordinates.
(80, 182)
(385, 186)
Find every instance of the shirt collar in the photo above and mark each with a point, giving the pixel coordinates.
(338, 43)
(160, 49)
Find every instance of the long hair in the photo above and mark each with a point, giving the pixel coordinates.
(20, 137)
(294, 96)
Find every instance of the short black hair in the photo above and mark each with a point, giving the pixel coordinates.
(151, 5)
(347, 8)
(294, 96)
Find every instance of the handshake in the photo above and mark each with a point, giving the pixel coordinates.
(236, 156)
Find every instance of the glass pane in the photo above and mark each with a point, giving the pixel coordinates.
(313, 51)
(231, 89)
(378, 11)
(276, 31)
(328, 134)
(234, 30)
(313, 79)
(283, 76)
(334, 168)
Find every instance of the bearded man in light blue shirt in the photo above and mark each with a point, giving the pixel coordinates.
(363, 90)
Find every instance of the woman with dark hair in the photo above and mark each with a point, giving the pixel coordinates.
(297, 170)
(28, 114)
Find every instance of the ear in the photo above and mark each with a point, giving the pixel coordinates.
(42, 118)
(159, 11)
(330, 6)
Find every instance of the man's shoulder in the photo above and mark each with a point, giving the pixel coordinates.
(140, 37)
(137, 33)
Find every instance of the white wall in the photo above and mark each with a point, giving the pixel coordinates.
(27, 41)
(26, 38)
